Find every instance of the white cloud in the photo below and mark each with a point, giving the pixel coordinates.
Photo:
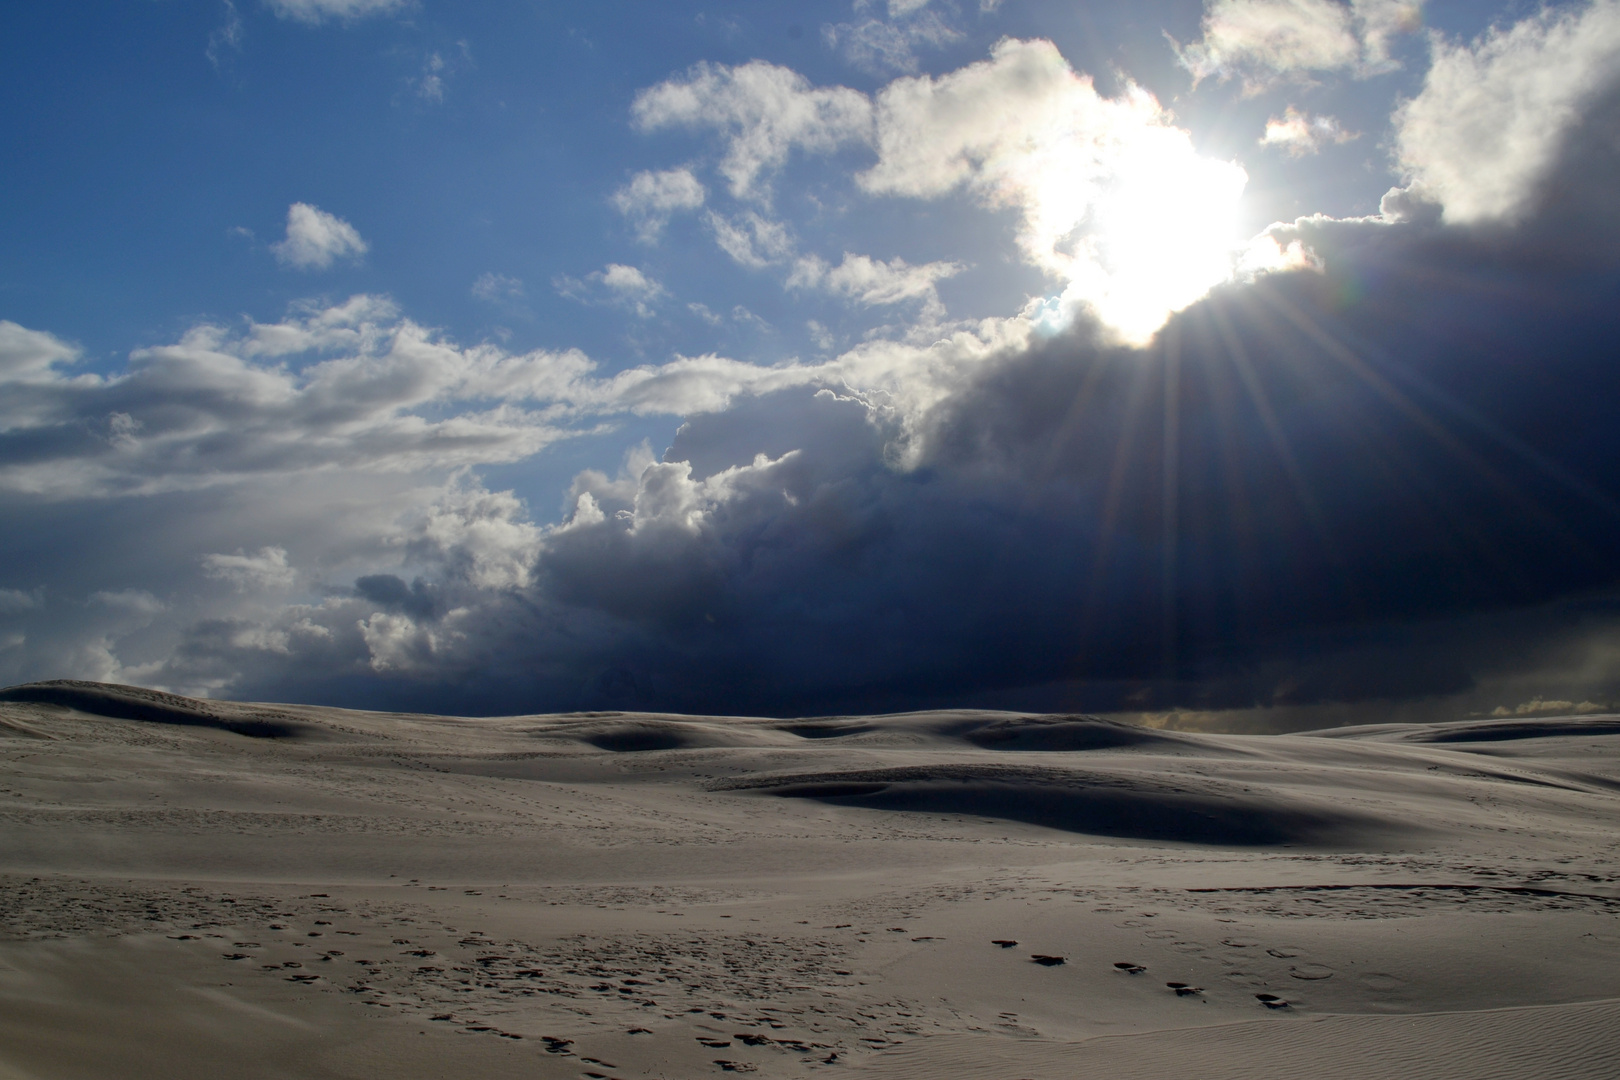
(1112, 198)
(1299, 133)
(373, 392)
(750, 239)
(314, 12)
(616, 283)
(1276, 35)
(763, 111)
(661, 495)
(628, 280)
(399, 643)
(316, 239)
(31, 354)
(631, 286)
(1492, 114)
(651, 198)
(266, 568)
(481, 537)
(1262, 39)
(870, 281)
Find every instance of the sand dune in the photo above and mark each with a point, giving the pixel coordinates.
(232, 890)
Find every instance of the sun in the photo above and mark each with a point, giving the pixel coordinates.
(1164, 233)
(1121, 207)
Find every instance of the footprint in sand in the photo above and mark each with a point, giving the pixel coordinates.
(1381, 981)
(1184, 989)
(1005, 943)
(1047, 961)
(1129, 968)
(1271, 1001)
(1239, 943)
(1311, 972)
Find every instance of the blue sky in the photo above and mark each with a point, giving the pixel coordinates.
(378, 351)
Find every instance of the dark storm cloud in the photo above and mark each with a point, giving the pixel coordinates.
(390, 591)
(1391, 478)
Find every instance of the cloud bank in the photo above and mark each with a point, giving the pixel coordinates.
(1380, 470)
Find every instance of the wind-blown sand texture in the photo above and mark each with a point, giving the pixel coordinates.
(204, 889)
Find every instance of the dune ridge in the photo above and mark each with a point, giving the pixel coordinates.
(157, 707)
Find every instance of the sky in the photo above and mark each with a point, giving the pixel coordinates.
(1244, 362)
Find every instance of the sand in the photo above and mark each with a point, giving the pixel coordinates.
(202, 889)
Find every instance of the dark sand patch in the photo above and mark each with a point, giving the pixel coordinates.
(1138, 807)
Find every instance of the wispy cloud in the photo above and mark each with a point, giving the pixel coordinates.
(228, 35)
(616, 283)
(495, 288)
(751, 239)
(314, 12)
(888, 45)
(871, 282)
